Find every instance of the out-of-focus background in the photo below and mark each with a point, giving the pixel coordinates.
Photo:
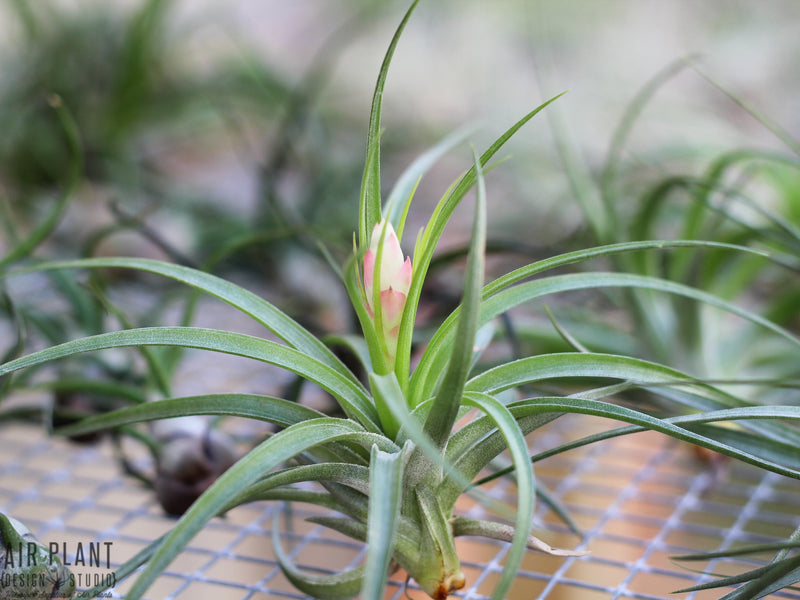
(212, 117)
(230, 136)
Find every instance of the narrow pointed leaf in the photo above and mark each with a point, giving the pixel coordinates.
(348, 393)
(426, 461)
(26, 246)
(339, 585)
(370, 204)
(445, 407)
(425, 376)
(407, 182)
(243, 300)
(760, 446)
(268, 455)
(433, 354)
(252, 406)
(666, 426)
(385, 494)
(526, 489)
(694, 394)
(429, 240)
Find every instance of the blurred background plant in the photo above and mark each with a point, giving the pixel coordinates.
(742, 195)
(230, 138)
(208, 145)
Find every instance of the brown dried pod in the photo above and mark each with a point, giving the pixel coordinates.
(187, 464)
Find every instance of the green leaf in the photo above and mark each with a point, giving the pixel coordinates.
(128, 567)
(576, 256)
(526, 488)
(252, 406)
(370, 204)
(572, 365)
(757, 582)
(447, 401)
(774, 449)
(667, 426)
(429, 239)
(250, 304)
(355, 344)
(350, 395)
(565, 335)
(424, 379)
(768, 123)
(740, 551)
(18, 346)
(339, 585)
(426, 464)
(438, 571)
(406, 548)
(290, 494)
(678, 388)
(385, 494)
(155, 365)
(269, 454)
(46, 227)
(389, 401)
(355, 476)
(622, 132)
(405, 185)
(475, 445)
(505, 533)
(764, 446)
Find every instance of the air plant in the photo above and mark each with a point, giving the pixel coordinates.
(412, 441)
(27, 567)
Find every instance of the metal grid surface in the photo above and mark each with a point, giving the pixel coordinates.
(639, 501)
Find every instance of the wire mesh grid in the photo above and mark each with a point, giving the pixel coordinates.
(638, 500)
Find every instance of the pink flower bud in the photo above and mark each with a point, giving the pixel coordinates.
(394, 276)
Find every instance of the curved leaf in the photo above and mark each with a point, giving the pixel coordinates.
(243, 300)
(526, 488)
(406, 547)
(676, 387)
(252, 406)
(667, 426)
(25, 247)
(429, 240)
(767, 448)
(370, 203)
(442, 416)
(426, 463)
(576, 256)
(338, 585)
(348, 393)
(424, 379)
(431, 360)
(269, 454)
(482, 433)
(405, 185)
(385, 494)
(355, 476)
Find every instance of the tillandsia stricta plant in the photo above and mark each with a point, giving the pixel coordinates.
(414, 440)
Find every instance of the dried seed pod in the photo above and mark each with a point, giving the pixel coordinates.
(187, 464)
